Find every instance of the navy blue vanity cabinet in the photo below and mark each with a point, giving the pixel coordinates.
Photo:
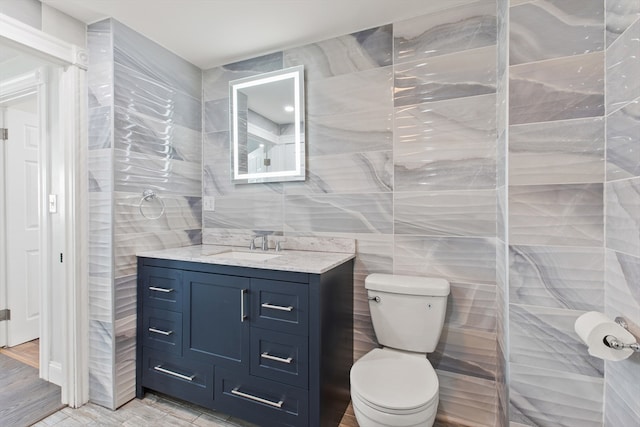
(271, 347)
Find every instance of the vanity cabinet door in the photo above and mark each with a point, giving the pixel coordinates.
(215, 318)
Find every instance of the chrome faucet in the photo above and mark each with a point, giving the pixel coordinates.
(264, 245)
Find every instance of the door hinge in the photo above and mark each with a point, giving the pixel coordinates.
(4, 134)
(5, 314)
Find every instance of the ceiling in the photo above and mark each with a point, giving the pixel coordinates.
(209, 33)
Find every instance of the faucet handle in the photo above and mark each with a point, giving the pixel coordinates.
(265, 243)
(278, 246)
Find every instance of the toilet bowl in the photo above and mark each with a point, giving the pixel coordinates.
(396, 386)
(393, 388)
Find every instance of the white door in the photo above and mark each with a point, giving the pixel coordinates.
(22, 209)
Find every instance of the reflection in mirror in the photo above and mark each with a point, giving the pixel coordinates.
(267, 127)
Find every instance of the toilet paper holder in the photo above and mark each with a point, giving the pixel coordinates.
(615, 343)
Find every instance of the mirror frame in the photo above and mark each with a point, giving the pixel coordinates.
(296, 74)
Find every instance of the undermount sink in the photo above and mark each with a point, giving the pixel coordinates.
(245, 256)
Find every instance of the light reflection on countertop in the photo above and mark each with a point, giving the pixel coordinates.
(286, 260)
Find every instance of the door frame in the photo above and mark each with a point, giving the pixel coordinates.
(67, 132)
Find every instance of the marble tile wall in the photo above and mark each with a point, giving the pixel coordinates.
(401, 157)
(555, 175)
(622, 202)
(145, 120)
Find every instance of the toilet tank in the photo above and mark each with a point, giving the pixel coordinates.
(407, 311)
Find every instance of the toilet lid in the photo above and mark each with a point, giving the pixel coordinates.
(394, 380)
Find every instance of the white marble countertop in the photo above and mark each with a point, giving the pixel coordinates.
(286, 260)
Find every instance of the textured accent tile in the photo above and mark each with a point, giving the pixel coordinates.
(544, 338)
(620, 14)
(624, 378)
(567, 215)
(100, 363)
(140, 54)
(99, 129)
(350, 113)
(100, 230)
(560, 277)
(457, 259)
(446, 145)
(543, 397)
(446, 213)
(457, 75)
(100, 299)
(341, 213)
(466, 352)
(359, 51)
(347, 173)
(100, 170)
(623, 142)
(557, 89)
(452, 30)
(623, 216)
(466, 400)
(471, 307)
(563, 152)
(623, 68)
(216, 115)
(180, 213)
(537, 28)
(125, 293)
(100, 75)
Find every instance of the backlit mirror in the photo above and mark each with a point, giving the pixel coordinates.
(267, 127)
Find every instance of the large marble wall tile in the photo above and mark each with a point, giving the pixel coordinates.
(452, 30)
(216, 166)
(555, 28)
(623, 142)
(340, 213)
(540, 397)
(620, 14)
(457, 75)
(359, 51)
(137, 172)
(216, 80)
(346, 173)
(562, 152)
(566, 215)
(216, 115)
(544, 338)
(252, 211)
(164, 138)
(560, 277)
(444, 145)
(138, 53)
(622, 295)
(623, 215)
(557, 89)
(623, 68)
(624, 377)
(100, 75)
(139, 93)
(617, 411)
(457, 259)
(446, 213)
(466, 400)
(350, 113)
(466, 352)
(99, 131)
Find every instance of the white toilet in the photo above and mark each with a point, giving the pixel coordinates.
(396, 385)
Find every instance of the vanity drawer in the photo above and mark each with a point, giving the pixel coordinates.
(279, 356)
(280, 306)
(162, 288)
(175, 376)
(261, 401)
(162, 330)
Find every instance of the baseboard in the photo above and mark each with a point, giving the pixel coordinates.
(55, 373)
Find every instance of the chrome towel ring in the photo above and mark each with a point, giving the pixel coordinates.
(148, 195)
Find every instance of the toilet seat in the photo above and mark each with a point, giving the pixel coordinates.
(394, 382)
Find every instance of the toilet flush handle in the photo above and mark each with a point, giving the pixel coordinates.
(376, 298)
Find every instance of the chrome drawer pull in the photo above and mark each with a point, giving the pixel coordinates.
(266, 355)
(243, 316)
(159, 368)
(157, 289)
(257, 399)
(160, 331)
(276, 307)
